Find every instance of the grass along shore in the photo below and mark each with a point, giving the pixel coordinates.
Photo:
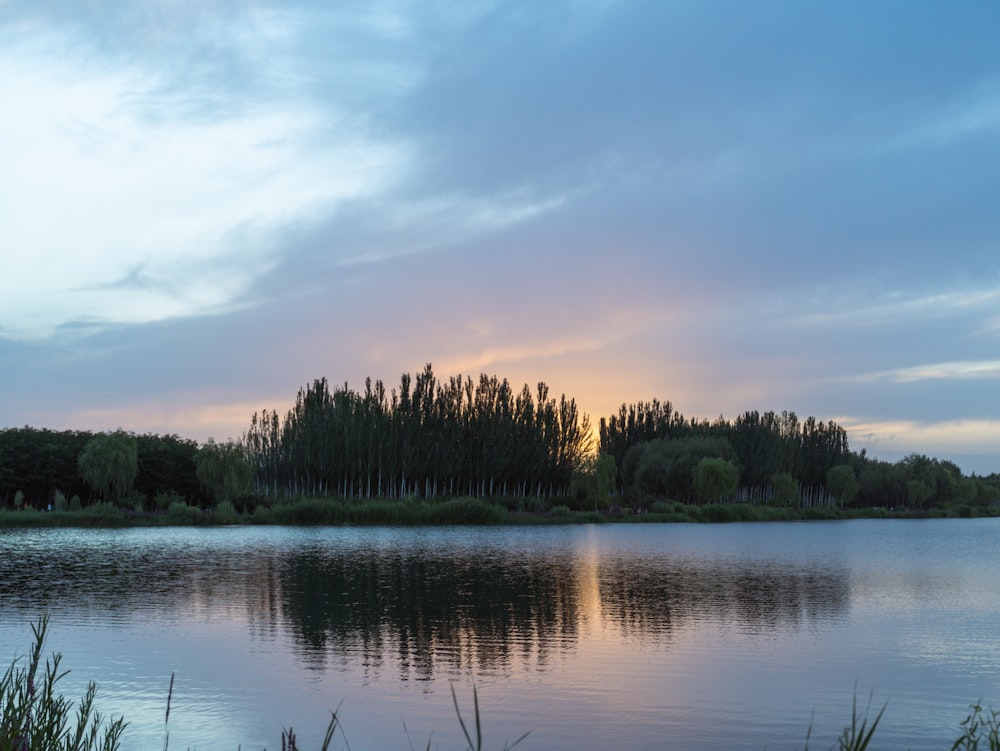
(310, 510)
(35, 716)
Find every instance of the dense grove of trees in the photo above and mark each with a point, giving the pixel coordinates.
(483, 438)
(764, 444)
(778, 459)
(39, 463)
(429, 437)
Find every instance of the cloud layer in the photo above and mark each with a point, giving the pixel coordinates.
(731, 206)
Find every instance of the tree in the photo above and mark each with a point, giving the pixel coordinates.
(786, 489)
(918, 493)
(109, 463)
(223, 470)
(842, 484)
(665, 467)
(605, 475)
(715, 478)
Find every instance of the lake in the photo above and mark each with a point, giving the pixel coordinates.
(736, 636)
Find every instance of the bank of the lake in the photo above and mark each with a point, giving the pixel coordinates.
(457, 511)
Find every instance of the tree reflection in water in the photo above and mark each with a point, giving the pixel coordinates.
(422, 609)
(440, 613)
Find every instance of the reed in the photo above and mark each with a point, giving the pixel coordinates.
(35, 717)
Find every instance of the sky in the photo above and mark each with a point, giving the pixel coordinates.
(773, 205)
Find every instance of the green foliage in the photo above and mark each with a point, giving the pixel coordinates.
(842, 484)
(858, 735)
(166, 463)
(593, 482)
(786, 489)
(59, 502)
(312, 510)
(224, 513)
(165, 498)
(939, 476)
(223, 470)
(918, 493)
(74, 503)
(665, 467)
(715, 478)
(464, 511)
(981, 726)
(605, 475)
(135, 501)
(179, 513)
(109, 464)
(436, 439)
(35, 717)
(102, 510)
(724, 512)
(986, 493)
(764, 444)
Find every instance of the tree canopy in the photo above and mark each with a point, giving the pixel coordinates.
(109, 464)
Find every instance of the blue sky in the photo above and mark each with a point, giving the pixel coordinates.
(730, 205)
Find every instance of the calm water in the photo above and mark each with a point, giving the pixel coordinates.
(633, 637)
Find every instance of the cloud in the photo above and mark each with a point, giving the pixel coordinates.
(984, 369)
(975, 440)
(733, 206)
(975, 113)
(96, 184)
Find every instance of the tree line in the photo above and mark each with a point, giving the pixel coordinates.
(427, 437)
(483, 438)
(36, 464)
(772, 458)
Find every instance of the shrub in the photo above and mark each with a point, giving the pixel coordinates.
(164, 498)
(262, 515)
(225, 513)
(59, 502)
(180, 513)
(136, 501)
(661, 507)
(725, 512)
(462, 511)
(103, 508)
(74, 503)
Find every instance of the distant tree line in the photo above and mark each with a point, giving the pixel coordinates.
(426, 437)
(773, 458)
(482, 438)
(38, 464)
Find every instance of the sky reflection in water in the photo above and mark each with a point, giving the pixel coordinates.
(591, 636)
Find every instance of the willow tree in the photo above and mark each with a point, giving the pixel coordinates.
(109, 464)
(223, 470)
(714, 478)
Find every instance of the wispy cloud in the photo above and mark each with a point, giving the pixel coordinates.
(976, 112)
(983, 369)
(844, 306)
